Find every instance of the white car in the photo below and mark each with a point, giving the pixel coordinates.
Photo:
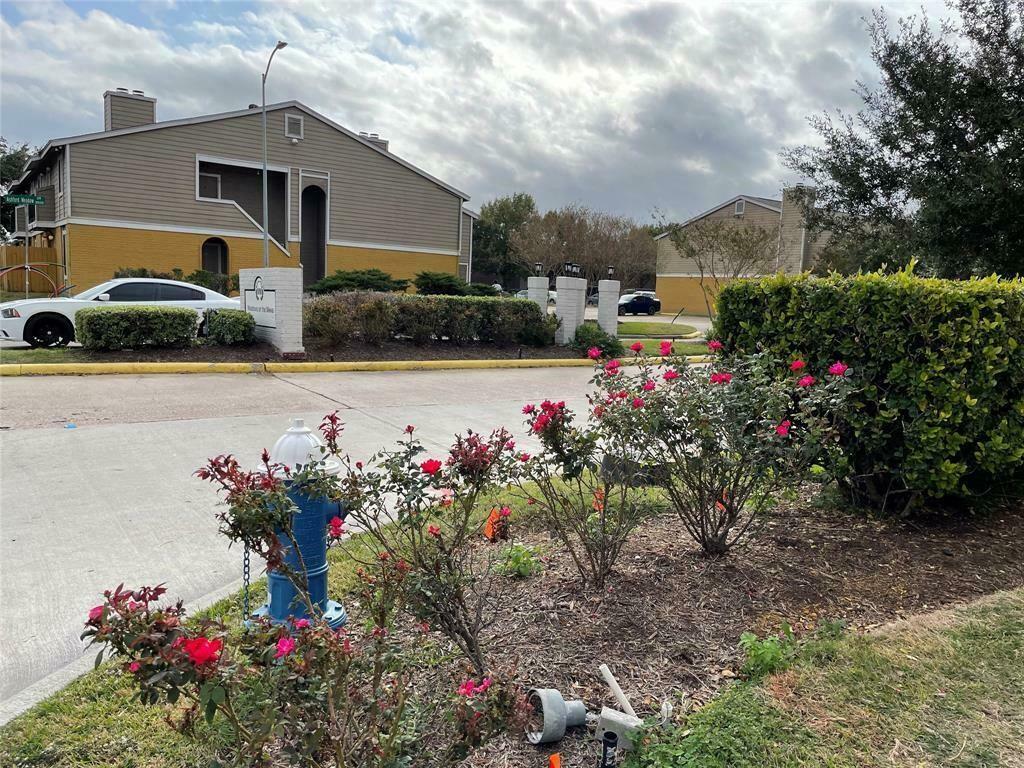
(51, 322)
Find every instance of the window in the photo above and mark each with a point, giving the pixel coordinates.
(209, 185)
(293, 125)
(740, 206)
(178, 293)
(215, 256)
(133, 292)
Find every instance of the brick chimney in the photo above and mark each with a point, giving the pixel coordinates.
(794, 244)
(127, 109)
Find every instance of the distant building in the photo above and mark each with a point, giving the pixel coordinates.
(678, 283)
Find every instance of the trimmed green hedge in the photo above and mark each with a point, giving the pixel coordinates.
(230, 327)
(122, 327)
(939, 364)
(376, 317)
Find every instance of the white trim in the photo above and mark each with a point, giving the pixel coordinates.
(257, 164)
(215, 176)
(237, 113)
(302, 126)
(209, 231)
(460, 233)
(392, 247)
(739, 207)
(472, 214)
(469, 272)
(720, 206)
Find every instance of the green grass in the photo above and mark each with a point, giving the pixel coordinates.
(653, 346)
(941, 689)
(657, 330)
(56, 355)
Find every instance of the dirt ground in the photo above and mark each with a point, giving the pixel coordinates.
(670, 619)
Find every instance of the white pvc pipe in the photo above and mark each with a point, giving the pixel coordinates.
(616, 690)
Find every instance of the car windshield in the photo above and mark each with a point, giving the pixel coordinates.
(93, 292)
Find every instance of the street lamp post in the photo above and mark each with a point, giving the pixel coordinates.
(266, 214)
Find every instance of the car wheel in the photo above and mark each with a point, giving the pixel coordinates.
(622, 312)
(50, 332)
(652, 311)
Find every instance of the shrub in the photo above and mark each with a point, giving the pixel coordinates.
(591, 335)
(440, 283)
(230, 327)
(328, 317)
(940, 409)
(215, 281)
(374, 319)
(725, 443)
(590, 511)
(519, 561)
(417, 317)
(765, 656)
(121, 272)
(481, 289)
(132, 327)
(358, 280)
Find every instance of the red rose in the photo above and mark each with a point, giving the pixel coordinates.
(431, 466)
(805, 381)
(202, 650)
(637, 346)
(666, 348)
(797, 365)
(714, 345)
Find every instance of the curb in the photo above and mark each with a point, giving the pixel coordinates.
(97, 369)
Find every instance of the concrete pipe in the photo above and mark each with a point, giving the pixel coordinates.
(557, 714)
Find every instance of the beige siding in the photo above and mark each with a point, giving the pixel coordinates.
(150, 177)
(671, 262)
(467, 236)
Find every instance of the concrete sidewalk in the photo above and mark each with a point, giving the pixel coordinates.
(114, 499)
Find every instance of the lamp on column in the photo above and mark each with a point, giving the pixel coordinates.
(611, 271)
(537, 268)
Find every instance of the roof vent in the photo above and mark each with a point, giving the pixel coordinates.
(253, 106)
(123, 90)
(138, 93)
(375, 139)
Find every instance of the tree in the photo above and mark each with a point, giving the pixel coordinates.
(12, 163)
(592, 239)
(725, 249)
(930, 166)
(492, 235)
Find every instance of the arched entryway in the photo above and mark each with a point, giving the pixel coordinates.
(215, 256)
(313, 250)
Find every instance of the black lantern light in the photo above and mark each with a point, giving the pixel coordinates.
(611, 271)
(538, 268)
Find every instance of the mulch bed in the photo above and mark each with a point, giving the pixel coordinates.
(354, 352)
(670, 619)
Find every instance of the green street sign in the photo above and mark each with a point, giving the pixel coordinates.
(24, 199)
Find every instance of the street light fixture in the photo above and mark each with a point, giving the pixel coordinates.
(266, 215)
(537, 268)
(611, 271)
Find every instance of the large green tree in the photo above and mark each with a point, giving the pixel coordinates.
(932, 164)
(12, 162)
(493, 254)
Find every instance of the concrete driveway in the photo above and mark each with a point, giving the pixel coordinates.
(113, 499)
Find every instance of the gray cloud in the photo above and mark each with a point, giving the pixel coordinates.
(623, 106)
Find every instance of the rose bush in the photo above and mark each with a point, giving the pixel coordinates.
(724, 443)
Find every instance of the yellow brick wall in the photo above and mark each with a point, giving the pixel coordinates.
(684, 293)
(398, 264)
(94, 253)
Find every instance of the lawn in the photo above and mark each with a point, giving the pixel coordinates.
(656, 330)
(943, 688)
(653, 346)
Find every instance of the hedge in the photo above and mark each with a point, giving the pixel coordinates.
(939, 407)
(108, 328)
(230, 327)
(376, 317)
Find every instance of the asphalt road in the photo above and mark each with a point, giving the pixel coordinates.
(113, 499)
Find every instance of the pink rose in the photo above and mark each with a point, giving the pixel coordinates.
(524, 457)
(434, 531)
(647, 386)
(838, 368)
(638, 402)
(714, 345)
(302, 623)
(594, 352)
(805, 381)
(797, 365)
(666, 348)
(670, 375)
(134, 666)
(783, 429)
(285, 645)
(96, 613)
(529, 408)
(721, 378)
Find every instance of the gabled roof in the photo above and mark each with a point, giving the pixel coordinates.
(34, 162)
(471, 214)
(763, 202)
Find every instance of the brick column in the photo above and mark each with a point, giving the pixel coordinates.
(569, 306)
(273, 295)
(537, 290)
(608, 306)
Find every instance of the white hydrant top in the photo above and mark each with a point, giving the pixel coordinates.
(300, 446)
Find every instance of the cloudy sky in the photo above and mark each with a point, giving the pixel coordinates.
(622, 106)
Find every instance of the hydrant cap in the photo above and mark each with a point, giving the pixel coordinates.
(300, 446)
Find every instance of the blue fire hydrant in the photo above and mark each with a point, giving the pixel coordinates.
(295, 448)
